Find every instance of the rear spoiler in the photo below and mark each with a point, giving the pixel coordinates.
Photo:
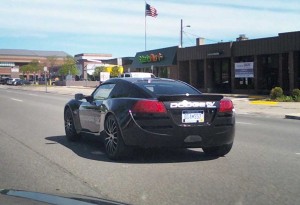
(203, 97)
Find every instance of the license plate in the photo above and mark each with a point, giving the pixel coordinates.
(192, 116)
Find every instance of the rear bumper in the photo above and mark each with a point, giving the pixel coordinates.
(215, 134)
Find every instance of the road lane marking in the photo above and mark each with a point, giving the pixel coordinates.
(245, 123)
(16, 100)
(33, 94)
(298, 153)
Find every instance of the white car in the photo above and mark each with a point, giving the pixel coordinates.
(137, 75)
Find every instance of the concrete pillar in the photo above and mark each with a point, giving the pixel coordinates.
(256, 73)
(193, 73)
(232, 61)
(205, 74)
(291, 70)
(84, 70)
(280, 74)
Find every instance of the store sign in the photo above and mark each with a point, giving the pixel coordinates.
(244, 70)
(152, 58)
(15, 70)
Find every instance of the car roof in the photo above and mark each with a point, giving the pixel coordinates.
(136, 80)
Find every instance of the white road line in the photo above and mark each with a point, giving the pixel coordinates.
(245, 123)
(16, 99)
(33, 94)
(298, 153)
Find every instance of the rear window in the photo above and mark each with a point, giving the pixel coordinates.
(167, 88)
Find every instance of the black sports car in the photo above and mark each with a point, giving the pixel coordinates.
(153, 112)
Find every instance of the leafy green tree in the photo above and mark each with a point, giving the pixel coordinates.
(68, 67)
(25, 69)
(33, 67)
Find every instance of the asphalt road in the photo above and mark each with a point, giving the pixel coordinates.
(262, 168)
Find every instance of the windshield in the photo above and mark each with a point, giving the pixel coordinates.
(154, 102)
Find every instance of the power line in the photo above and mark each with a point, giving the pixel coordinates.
(216, 41)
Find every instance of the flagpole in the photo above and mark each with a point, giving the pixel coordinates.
(145, 28)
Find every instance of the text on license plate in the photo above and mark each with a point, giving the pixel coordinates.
(192, 116)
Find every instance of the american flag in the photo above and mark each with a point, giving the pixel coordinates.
(150, 11)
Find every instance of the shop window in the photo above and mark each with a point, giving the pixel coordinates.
(268, 67)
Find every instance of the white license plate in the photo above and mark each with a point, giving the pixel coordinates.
(192, 116)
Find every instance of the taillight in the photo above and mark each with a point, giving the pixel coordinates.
(148, 106)
(226, 105)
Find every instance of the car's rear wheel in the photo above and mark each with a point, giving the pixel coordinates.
(70, 130)
(218, 150)
(114, 144)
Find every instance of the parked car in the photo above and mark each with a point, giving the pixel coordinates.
(151, 112)
(22, 82)
(4, 80)
(12, 81)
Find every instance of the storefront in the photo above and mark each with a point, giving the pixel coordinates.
(243, 66)
(161, 62)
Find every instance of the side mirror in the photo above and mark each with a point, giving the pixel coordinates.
(89, 98)
(79, 96)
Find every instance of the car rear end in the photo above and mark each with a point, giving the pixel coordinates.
(187, 119)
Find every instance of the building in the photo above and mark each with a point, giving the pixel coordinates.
(11, 61)
(87, 62)
(243, 66)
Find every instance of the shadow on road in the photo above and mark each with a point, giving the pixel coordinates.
(93, 149)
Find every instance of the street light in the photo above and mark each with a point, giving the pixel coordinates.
(181, 31)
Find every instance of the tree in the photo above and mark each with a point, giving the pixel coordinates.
(98, 70)
(51, 62)
(25, 69)
(33, 67)
(115, 71)
(68, 67)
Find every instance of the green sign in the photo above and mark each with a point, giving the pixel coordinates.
(152, 58)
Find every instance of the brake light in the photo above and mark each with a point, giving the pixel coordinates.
(226, 105)
(149, 106)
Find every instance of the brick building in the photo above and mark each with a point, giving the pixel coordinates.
(12, 59)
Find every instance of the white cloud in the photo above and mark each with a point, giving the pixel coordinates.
(115, 20)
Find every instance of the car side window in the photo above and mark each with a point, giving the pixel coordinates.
(103, 91)
(121, 90)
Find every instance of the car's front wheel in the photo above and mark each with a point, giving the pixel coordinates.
(114, 144)
(70, 130)
(218, 150)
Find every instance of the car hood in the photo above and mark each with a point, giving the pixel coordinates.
(13, 197)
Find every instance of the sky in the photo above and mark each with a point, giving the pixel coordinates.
(117, 27)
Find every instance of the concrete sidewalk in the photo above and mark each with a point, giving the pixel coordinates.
(244, 104)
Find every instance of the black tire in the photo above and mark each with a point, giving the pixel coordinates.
(70, 130)
(218, 151)
(113, 142)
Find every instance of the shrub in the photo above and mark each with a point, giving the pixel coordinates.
(296, 93)
(297, 99)
(284, 98)
(276, 92)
